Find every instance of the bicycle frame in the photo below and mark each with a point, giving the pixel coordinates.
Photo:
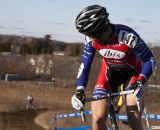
(110, 106)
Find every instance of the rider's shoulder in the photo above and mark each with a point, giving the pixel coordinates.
(127, 35)
(124, 28)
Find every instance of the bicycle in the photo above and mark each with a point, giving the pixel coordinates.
(113, 125)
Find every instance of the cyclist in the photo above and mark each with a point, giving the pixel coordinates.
(29, 100)
(125, 58)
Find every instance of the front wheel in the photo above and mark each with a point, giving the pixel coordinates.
(112, 114)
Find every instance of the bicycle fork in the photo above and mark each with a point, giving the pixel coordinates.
(112, 116)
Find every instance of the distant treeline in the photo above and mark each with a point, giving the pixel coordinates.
(63, 67)
(34, 46)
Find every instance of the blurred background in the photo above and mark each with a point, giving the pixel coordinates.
(40, 53)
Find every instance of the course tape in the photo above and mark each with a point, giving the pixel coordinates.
(119, 117)
(75, 114)
(79, 128)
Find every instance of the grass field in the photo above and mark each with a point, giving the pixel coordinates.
(54, 99)
(47, 96)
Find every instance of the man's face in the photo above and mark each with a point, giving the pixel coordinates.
(103, 37)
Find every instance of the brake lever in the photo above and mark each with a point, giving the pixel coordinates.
(138, 104)
(83, 115)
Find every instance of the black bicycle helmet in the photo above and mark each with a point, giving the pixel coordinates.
(92, 19)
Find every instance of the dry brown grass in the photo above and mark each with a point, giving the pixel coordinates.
(13, 95)
(53, 98)
(46, 96)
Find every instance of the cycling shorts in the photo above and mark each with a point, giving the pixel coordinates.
(112, 76)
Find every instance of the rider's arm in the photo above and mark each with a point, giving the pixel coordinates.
(148, 59)
(87, 58)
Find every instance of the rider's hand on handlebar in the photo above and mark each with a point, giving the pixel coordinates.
(138, 89)
(78, 99)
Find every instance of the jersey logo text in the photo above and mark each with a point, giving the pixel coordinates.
(109, 53)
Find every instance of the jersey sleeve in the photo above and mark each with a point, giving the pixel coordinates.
(84, 69)
(146, 55)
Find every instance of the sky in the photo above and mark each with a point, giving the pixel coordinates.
(57, 17)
